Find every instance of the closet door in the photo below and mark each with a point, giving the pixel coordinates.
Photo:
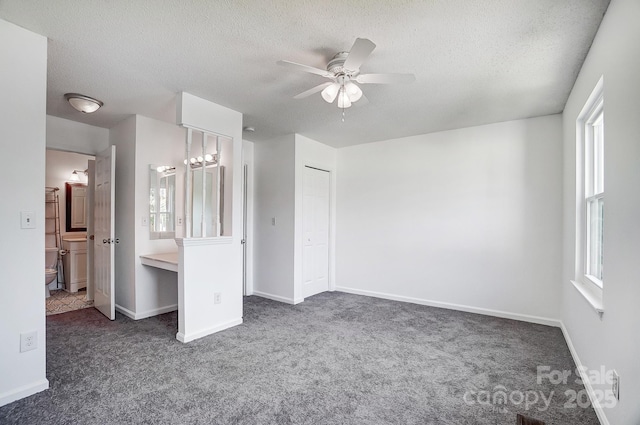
(315, 218)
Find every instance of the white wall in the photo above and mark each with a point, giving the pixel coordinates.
(469, 218)
(610, 341)
(123, 136)
(71, 136)
(198, 287)
(22, 153)
(157, 143)
(274, 198)
(308, 152)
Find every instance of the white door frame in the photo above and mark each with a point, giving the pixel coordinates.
(248, 161)
(91, 167)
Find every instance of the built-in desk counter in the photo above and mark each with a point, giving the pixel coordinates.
(165, 261)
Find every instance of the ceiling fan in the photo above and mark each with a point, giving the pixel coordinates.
(344, 72)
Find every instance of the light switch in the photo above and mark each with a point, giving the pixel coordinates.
(273, 221)
(27, 220)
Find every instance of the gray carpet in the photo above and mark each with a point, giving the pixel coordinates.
(334, 359)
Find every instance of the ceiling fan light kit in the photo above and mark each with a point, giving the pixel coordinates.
(344, 71)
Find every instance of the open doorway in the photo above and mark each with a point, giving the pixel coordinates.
(67, 208)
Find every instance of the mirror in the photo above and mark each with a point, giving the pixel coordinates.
(208, 168)
(210, 217)
(76, 207)
(162, 201)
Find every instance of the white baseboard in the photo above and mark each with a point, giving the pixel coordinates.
(24, 391)
(469, 309)
(204, 332)
(278, 298)
(585, 379)
(130, 314)
(145, 314)
(156, 311)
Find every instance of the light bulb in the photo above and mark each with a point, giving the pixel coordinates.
(200, 159)
(185, 162)
(208, 157)
(193, 160)
(354, 92)
(343, 99)
(74, 177)
(330, 92)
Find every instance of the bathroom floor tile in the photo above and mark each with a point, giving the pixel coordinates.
(62, 301)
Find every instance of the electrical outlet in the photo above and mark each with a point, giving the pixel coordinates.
(217, 298)
(273, 221)
(28, 341)
(179, 221)
(615, 384)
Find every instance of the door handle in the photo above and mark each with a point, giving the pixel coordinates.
(243, 241)
(92, 237)
(117, 240)
(106, 241)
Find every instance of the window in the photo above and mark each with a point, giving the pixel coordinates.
(594, 193)
(590, 208)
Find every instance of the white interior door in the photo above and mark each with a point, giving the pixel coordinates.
(315, 218)
(91, 187)
(104, 225)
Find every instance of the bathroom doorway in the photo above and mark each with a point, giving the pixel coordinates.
(66, 231)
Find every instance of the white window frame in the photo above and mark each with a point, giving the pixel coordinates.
(589, 189)
(593, 190)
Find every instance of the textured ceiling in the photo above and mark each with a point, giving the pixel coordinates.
(476, 62)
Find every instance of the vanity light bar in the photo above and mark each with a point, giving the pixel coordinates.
(166, 169)
(208, 159)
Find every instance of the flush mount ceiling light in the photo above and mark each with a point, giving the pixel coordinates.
(82, 103)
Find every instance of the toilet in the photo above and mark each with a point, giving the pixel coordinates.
(50, 268)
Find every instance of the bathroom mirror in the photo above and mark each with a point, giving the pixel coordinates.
(76, 207)
(162, 201)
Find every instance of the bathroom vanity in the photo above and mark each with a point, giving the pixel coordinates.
(75, 262)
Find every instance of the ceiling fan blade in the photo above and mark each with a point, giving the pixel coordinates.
(359, 52)
(314, 90)
(385, 78)
(305, 68)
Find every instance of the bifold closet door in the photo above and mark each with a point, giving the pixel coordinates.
(315, 211)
